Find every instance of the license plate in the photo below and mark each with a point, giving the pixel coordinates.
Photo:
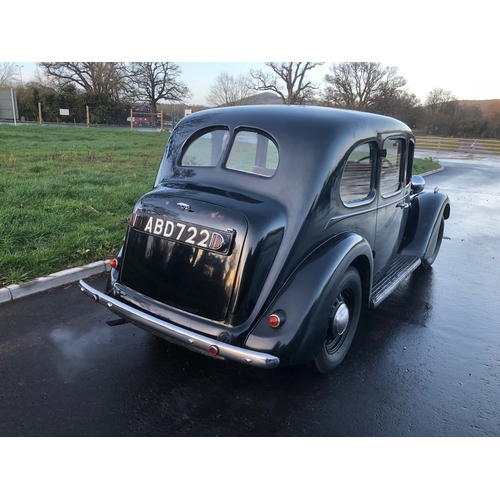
(190, 234)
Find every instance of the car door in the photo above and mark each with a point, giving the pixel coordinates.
(391, 207)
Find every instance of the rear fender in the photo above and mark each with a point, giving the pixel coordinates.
(306, 300)
(422, 227)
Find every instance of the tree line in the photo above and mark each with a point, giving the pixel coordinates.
(363, 86)
(110, 89)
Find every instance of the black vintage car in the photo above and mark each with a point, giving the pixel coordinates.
(267, 230)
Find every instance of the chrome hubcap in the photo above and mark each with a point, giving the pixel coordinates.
(339, 324)
(341, 319)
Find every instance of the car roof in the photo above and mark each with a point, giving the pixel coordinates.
(278, 118)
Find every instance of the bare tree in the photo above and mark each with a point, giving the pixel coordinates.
(106, 78)
(363, 86)
(405, 106)
(155, 81)
(99, 85)
(228, 90)
(441, 106)
(439, 100)
(298, 89)
(7, 75)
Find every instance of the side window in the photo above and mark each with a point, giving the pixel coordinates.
(390, 174)
(253, 153)
(356, 183)
(206, 150)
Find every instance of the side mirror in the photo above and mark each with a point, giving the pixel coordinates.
(417, 184)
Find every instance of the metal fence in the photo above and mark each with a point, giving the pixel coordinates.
(458, 145)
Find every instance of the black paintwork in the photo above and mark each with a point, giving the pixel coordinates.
(292, 236)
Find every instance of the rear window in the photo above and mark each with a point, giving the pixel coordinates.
(254, 153)
(205, 150)
(250, 151)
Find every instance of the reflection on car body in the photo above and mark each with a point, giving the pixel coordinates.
(269, 227)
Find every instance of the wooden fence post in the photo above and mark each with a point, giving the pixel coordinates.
(131, 120)
(88, 116)
(40, 113)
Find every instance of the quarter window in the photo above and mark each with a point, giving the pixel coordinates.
(356, 183)
(254, 153)
(390, 175)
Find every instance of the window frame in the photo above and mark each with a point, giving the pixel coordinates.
(371, 194)
(410, 156)
(402, 166)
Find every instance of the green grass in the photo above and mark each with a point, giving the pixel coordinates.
(422, 165)
(66, 194)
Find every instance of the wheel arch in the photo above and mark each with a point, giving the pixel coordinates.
(364, 267)
(426, 212)
(306, 300)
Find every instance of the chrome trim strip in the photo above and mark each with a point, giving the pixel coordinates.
(180, 335)
(359, 212)
(352, 214)
(393, 202)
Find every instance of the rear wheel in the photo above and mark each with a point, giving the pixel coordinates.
(342, 323)
(427, 262)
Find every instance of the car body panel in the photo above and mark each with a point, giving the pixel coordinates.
(307, 297)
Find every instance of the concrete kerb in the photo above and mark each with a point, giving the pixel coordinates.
(432, 172)
(13, 292)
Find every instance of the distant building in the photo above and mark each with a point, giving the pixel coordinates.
(142, 116)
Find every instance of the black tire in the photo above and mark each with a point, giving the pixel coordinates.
(337, 343)
(427, 262)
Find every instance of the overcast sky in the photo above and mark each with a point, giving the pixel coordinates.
(434, 44)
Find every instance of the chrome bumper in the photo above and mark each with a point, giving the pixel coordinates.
(180, 335)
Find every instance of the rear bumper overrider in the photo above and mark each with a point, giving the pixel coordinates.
(180, 335)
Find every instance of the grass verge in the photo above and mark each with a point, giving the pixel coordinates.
(66, 194)
(423, 165)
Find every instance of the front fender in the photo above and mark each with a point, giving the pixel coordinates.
(422, 226)
(307, 298)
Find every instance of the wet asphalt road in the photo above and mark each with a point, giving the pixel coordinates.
(425, 363)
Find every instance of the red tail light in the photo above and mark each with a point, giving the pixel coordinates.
(216, 242)
(276, 319)
(131, 220)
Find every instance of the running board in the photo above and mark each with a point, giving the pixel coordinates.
(399, 269)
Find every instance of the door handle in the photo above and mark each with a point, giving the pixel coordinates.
(402, 204)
